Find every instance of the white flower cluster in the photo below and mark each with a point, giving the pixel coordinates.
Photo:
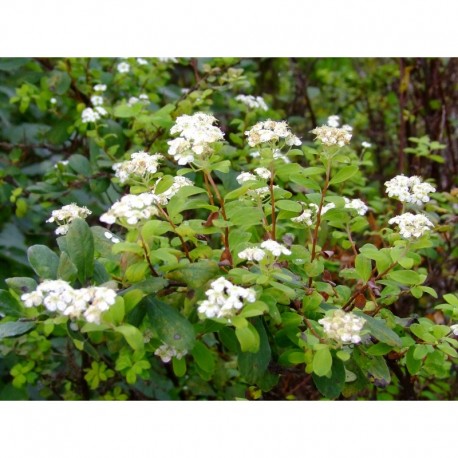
(330, 136)
(258, 254)
(142, 98)
(411, 225)
(166, 353)
(343, 327)
(252, 254)
(178, 183)
(92, 114)
(100, 87)
(97, 100)
(310, 213)
(277, 249)
(58, 295)
(132, 208)
(366, 145)
(409, 189)
(252, 102)
(123, 67)
(141, 165)
(224, 299)
(271, 131)
(66, 215)
(260, 173)
(197, 133)
(141, 61)
(333, 121)
(356, 204)
(454, 328)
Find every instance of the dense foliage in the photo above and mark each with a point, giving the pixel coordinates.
(164, 235)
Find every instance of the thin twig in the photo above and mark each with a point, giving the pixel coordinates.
(148, 260)
(318, 217)
(169, 220)
(272, 202)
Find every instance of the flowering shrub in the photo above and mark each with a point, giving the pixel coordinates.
(208, 256)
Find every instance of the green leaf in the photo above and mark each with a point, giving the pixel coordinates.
(21, 285)
(289, 205)
(43, 261)
(125, 111)
(344, 174)
(15, 328)
(197, 274)
(380, 330)
(172, 327)
(379, 349)
(447, 349)
(80, 164)
(413, 364)
(132, 335)
(363, 267)
(203, 357)
(420, 351)
(179, 366)
(80, 248)
(405, 277)
(253, 366)
(67, 270)
(153, 229)
(248, 338)
(332, 386)
(322, 362)
(9, 305)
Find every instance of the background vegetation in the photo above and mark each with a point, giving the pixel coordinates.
(405, 108)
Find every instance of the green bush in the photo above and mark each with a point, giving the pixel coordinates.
(165, 236)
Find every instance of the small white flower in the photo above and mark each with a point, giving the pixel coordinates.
(100, 87)
(166, 353)
(252, 254)
(331, 136)
(271, 131)
(66, 215)
(53, 101)
(252, 102)
(305, 217)
(333, 121)
(32, 299)
(131, 209)
(100, 110)
(196, 135)
(97, 100)
(275, 248)
(356, 204)
(140, 166)
(412, 226)
(454, 328)
(224, 299)
(409, 189)
(59, 296)
(366, 145)
(244, 177)
(123, 67)
(343, 327)
(141, 61)
(89, 115)
(262, 172)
